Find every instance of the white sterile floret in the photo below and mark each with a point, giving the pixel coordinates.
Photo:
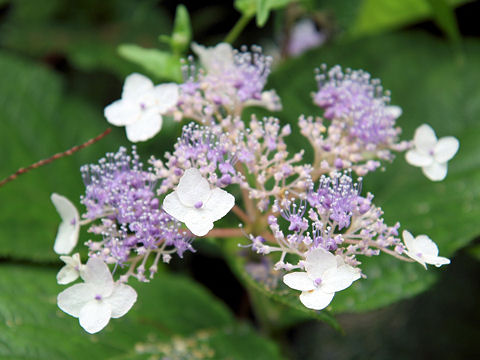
(215, 59)
(431, 154)
(423, 250)
(98, 299)
(196, 204)
(72, 269)
(141, 107)
(325, 275)
(68, 230)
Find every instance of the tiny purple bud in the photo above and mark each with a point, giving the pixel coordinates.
(338, 163)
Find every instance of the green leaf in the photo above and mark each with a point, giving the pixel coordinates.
(168, 309)
(432, 86)
(380, 15)
(263, 12)
(158, 63)
(182, 30)
(56, 30)
(37, 122)
(445, 18)
(261, 8)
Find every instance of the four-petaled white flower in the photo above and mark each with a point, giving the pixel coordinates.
(325, 275)
(68, 230)
(431, 154)
(72, 269)
(196, 204)
(98, 299)
(141, 107)
(215, 59)
(423, 250)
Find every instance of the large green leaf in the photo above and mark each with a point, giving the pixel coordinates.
(55, 29)
(432, 86)
(37, 121)
(158, 63)
(170, 310)
(376, 16)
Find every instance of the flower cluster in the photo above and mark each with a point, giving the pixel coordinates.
(361, 131)
(229, 81)
(122, 196)
(312, 214)
(207, 149)
(334, 217)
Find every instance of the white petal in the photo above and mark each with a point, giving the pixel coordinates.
(122, 299)
(199, 223)
(136, 85)
(316, 299)
(446, 149)
(424, 245)
(146, 127)
(67, 235)
(318, 261)
(435, 171)
(95, 315)
(299, 280)
(394, 111)
(97, 274)
(425, 138)
(73, 260)
(437, 260)
(339, 279)
(67, 274)
(166, 97)
(193, 188)
(417, 158)
(174, 207)
(122, 112)
(414, 256)
(409, 240)
(72, 300)
(219, 204)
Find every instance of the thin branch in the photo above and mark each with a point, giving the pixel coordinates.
(241, 214)
(54, 157)
(225, 232)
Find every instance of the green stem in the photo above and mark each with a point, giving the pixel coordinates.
(238, 28)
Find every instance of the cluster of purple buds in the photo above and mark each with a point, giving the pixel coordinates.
(207, 149)
(362, 127)
(120, 197)
(229, 81)
(334, 217)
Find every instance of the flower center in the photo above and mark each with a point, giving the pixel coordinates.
(317, 282)
(198, 205)
(98, 297)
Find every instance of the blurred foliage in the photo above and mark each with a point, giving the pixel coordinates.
(376, 16)
(38, 120)
(86, 32)
(184, 320)
(260, 8)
